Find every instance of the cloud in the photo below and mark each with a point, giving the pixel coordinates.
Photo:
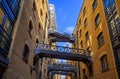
(67, 44)
(69, 29)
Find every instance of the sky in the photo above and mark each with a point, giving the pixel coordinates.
(67, 12)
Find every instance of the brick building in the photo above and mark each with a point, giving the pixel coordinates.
(97, 29)
(23, 23)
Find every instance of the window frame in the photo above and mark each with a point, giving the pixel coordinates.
(26, 52)
(84, 10)
(104, 63)
(85, 22)
(94, 5)
(87, 36)
(30, 28)
(5, 32)
(100, 39)
(97, 20)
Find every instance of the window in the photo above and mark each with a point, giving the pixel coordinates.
(81, 44)
(84, 10)
(84, 74)
(86, 36)
(30, 28)
(80, 22)
(97, 20)
(80, 32)
(114, 25)
(1, 16)
(85, 22)
(43, 1)
(118, 53)
(104, 63)
(41, 13)
(100, 39)
(5, 31)
(14, 6)
(26, 53)
(2, 70)
(34, 6)
(94, 5)
(35, 62)
(37, 41)
(39, 26)
(108, 6)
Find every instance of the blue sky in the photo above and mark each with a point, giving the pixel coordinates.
(67, 12)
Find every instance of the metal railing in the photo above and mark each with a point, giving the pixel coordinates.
(63, 34)
(62, 67)
(62, 49)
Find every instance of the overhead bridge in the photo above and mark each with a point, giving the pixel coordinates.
(60, 36)
(62, 67)
(59, 52)
(61, 73)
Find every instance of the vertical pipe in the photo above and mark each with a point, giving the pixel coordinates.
(78, 53)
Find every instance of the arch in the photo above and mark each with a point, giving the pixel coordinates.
(26, 53)
(104, 62)
(39, 25)
(37, 41)
(30, 27)
(34, 5)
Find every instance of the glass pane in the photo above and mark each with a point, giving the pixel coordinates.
(14, 5)
(118, 52)
(7, 26)
(1, 16)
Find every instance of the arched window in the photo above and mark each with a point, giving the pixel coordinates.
(104, 62)
(100, 39)
(30, 28)
(34, 5)
(26, 53)
(37, 41)
(41, 12)
(39, 26)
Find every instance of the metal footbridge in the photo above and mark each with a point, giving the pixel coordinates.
(60, 36)
(61, 69)
(60, 52)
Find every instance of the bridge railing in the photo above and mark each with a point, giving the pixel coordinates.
(62, 49)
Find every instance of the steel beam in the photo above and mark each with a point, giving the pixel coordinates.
(59, 55)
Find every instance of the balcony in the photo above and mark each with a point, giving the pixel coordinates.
(116, 33)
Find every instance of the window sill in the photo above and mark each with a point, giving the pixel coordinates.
(99, 46)
(104, 70)
(96, 26)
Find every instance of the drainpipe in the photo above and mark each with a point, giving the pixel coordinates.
(77, 52)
